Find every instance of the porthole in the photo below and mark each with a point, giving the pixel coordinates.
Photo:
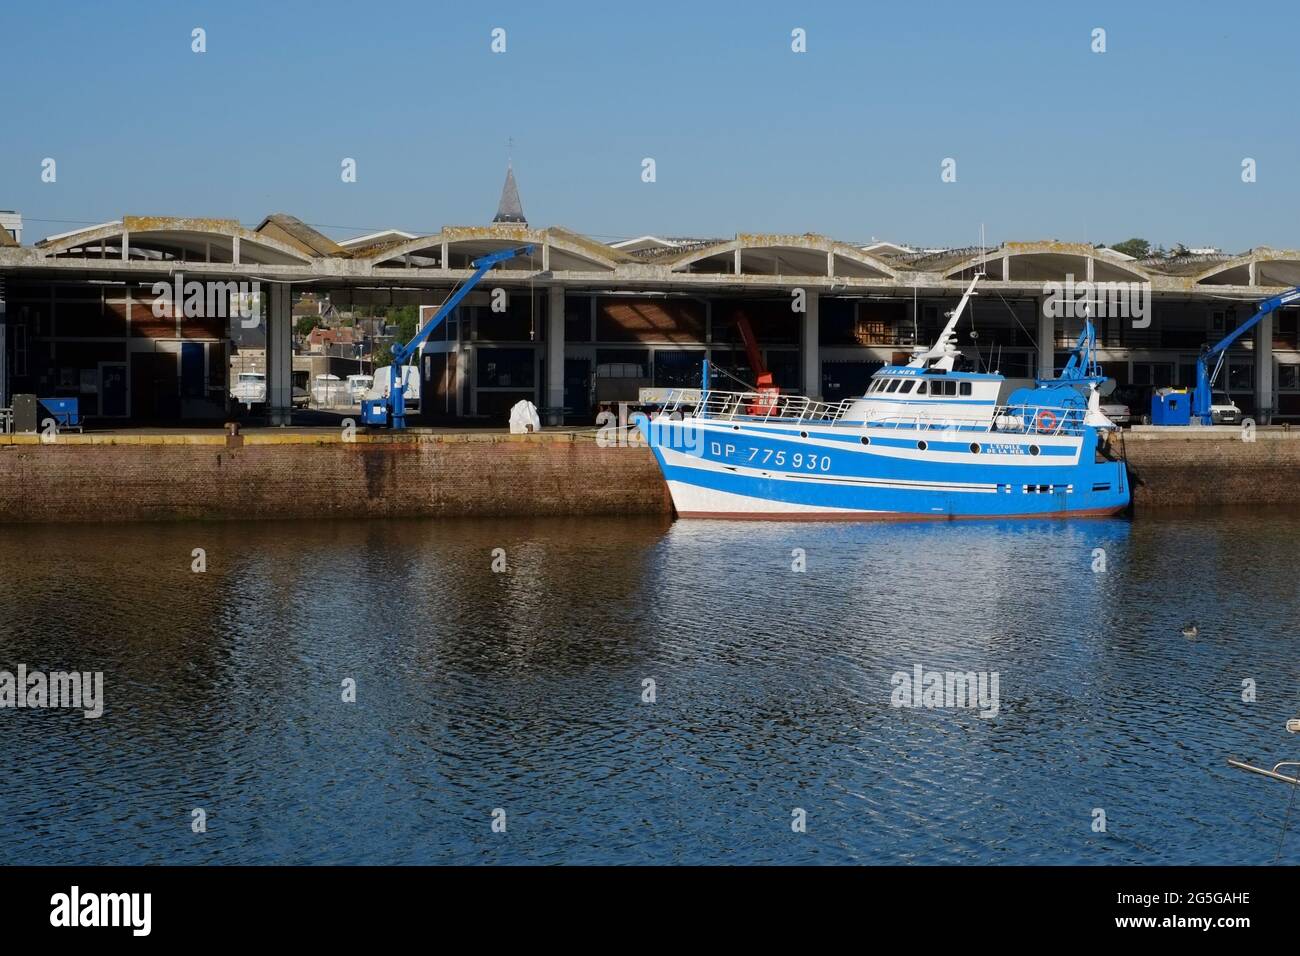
(1033, 449)
(865, 440)
(803, 434)
(735, 428)
(921, 446)
(974, 448)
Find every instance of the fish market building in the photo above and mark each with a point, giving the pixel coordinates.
(80, 317)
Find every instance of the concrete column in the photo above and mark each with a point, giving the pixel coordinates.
(555, 354)
(1046, 339)
(279, 354)
(471, 367)
(4, 352)
(1265, 398)
(810, 346)
(462, 358)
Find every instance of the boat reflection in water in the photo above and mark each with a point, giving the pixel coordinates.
(525, 689)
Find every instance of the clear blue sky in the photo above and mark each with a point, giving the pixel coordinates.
(1051, 140)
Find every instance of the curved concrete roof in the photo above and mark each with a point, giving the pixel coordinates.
(558, 249)
(1047, 262)
(784, 255)
(293, 251)
(1260, 267)
(179, 239)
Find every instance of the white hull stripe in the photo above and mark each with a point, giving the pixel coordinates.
(696, 500)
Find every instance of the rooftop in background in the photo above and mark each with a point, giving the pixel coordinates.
(11, 228)
(295, 232)
(383, 237)
(137, 244)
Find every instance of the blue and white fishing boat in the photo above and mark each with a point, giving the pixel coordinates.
(924, 441)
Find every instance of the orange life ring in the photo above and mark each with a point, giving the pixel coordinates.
(1046, 421)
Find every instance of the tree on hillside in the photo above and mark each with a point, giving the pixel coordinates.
(305, 324)
(1137, 248)
(406, 318)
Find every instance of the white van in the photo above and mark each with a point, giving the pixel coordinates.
(359, 387)
(328, 391)
(410, 379)
(249, 389)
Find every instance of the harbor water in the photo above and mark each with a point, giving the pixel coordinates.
(643, 691)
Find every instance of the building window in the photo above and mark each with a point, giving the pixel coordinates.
(606, 356)
(506, 368)
(1288, 377)
(677, 369)
(1241, 377)
(784, 366)
(845, 379)
(577, 318)
(1156, 374)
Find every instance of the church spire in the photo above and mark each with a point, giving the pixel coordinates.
(510, 209)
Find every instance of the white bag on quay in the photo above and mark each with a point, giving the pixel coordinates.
(523, 418)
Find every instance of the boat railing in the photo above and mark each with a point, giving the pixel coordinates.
(793, 409)
(1005, 419)
(753, 406)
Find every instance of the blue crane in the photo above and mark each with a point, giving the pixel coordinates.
(391, 409)
(1163, 406)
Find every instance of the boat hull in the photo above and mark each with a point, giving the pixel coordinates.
(760, 470)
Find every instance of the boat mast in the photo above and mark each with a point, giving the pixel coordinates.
(942, 347)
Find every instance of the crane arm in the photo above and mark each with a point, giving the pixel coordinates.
(481, 267)
(1082, 364)
(1204, 380)
(1261, 310)
(393, 409)
(752, 353)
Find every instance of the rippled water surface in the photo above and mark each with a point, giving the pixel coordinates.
(523, 691)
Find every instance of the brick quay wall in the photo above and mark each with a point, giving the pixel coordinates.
(307, 474)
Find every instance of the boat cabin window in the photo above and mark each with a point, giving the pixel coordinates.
(965, 388)
(907, 386)
(893, 386)
(920, 389)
